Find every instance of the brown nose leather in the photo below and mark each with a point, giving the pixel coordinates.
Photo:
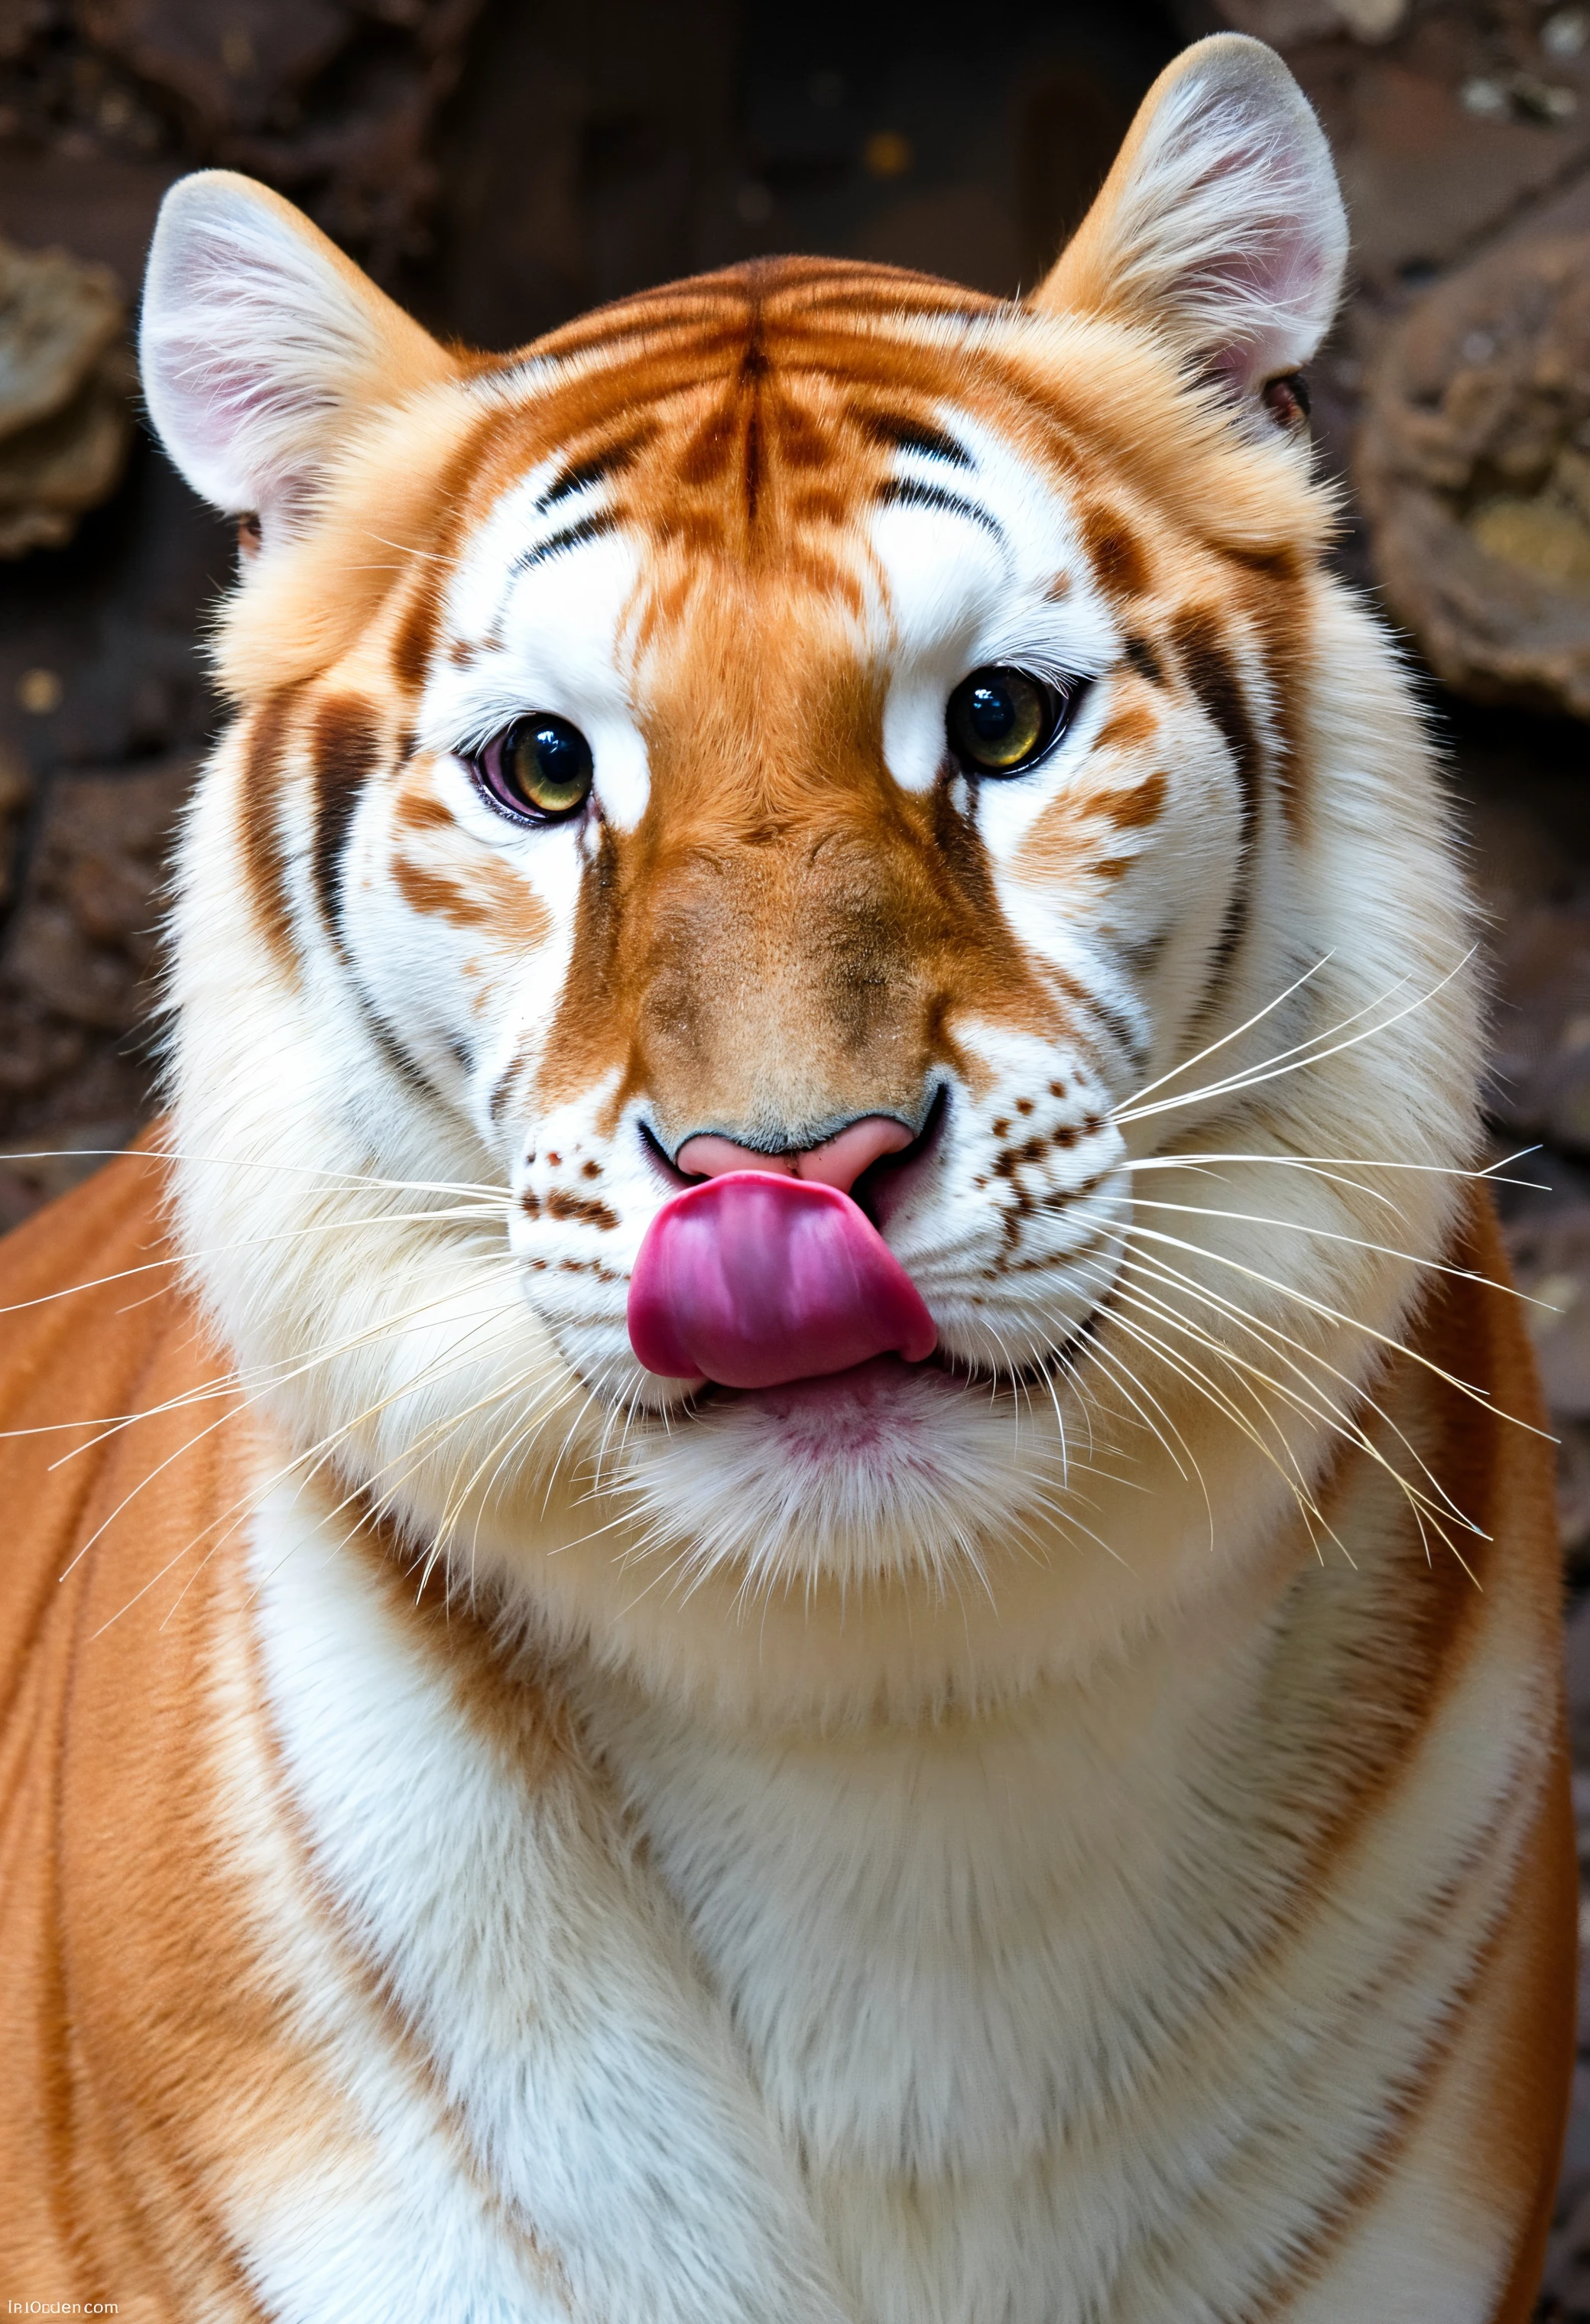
(838, 1162)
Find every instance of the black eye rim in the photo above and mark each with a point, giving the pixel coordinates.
(1059, 699)
(488, 768)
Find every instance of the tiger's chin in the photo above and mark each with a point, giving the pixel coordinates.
(885, 1471)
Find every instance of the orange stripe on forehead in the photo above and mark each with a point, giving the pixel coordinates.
(736, 329)
(779, 291)
(710, 401)
(751, 418)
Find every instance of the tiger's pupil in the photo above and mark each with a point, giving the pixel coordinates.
(548, 764)
(996, 719)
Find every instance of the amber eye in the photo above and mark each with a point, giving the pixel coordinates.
(538, 771)
(1000, 720)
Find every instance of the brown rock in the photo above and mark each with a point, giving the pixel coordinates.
(1573, 1492)
(75, 977)
(90, 984)
(103, 850)
(1473, 467)
(101, 205)
(1549, 1249)
(55, 471)
(66, 384)
(1285, 23)
(56, 318)
(37, 1048)
(227, 67)
(332, 101)
(85, 935)
(1424, 177)
(16, 794)
(1538, 1083)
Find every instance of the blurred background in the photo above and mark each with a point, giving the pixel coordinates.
(500, 165)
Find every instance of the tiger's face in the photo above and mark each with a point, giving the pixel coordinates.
(816, 722)
(698, 843)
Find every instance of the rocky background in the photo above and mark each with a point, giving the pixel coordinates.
(501, 165)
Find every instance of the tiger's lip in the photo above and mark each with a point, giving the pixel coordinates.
(702, 1397)
(1006, 1378)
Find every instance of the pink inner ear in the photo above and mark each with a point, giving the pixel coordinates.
(236, 420)
(757, 1279)
(1271, 282)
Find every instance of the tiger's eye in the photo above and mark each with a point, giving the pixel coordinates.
(1286, 399)
(540, 770)
(999, 720)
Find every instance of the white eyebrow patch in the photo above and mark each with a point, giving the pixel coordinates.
(539, 600)
(969, 557)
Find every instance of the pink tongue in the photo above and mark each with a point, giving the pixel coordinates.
(752, 1279)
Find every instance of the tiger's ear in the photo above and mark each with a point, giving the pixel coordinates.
(1220, 223)
(261, 346)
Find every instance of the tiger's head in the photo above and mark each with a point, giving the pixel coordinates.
(813, 722)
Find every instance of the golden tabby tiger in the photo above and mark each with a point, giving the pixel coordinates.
(834, 1598)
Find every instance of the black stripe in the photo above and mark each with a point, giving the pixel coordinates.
(409, 1071)
(585, 472)
(588, 528)
(501, 1089)
(345, 750)
(1211, 673)
(915, 436)
(1144, 659)
(1120, 1028)
(905, 492)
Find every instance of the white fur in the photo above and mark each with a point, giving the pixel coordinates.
(592, 2075)
(1004, 1999)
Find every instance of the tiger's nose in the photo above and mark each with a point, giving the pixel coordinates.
(839, 1161)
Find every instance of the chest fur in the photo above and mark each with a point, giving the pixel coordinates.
(1019, 2017)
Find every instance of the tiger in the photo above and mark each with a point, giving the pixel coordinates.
(788, 1555)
